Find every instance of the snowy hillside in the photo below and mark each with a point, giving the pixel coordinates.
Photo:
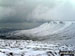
(53, 31)
(54, 36)
(42, 31)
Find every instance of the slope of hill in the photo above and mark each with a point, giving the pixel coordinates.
(45, 31)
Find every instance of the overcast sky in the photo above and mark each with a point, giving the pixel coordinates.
(36, 10)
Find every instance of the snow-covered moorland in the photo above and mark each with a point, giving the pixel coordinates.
(31, 48)
(51, 36)
(40, 32)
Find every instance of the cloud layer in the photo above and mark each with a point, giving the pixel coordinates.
(63, 11)
(36, 10)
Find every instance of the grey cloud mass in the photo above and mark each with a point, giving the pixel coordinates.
(34, 10)
(63, 11)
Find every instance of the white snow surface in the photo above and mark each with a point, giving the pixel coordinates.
(2, 54)
(31, 48)
(46, 29)
(60, 34)
(54, 32)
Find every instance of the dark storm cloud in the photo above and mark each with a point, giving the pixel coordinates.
(33, 10)
(20, 10)
(13, 10)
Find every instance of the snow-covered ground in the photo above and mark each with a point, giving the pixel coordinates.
(50, 30)
(46, 29)
(43, 30)
(54, 36)
(31, 48)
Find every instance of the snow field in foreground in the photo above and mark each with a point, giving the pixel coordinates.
(31, 48)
